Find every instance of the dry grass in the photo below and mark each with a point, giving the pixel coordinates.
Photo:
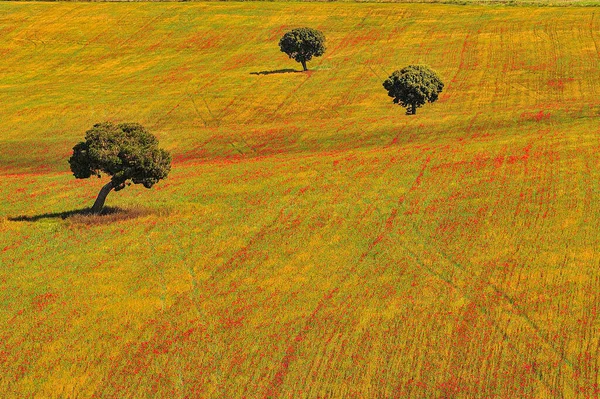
(111, 215)
(85, 217)
(317, 243)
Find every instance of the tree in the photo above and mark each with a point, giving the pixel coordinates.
(302, 44)
(127, 152)
(413, 86)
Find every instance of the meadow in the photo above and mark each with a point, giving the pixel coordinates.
(311, 241)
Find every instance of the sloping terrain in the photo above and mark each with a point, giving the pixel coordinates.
(312, 241)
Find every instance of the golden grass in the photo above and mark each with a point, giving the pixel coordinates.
(312, 241)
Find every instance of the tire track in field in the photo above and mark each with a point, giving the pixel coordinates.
(87, 44)
(470, 329)
(257, 80)
(469, 45)
(25, 31)
(556, 47)
(496, 292)
(268, 116)
(590, 190)
(506, 297)
(415, 186)
(241, 254)
(351, 35)
(145, 26)
(215, 118)
(70, 59)
(288, 101)
(389, 223)
(94, 39)
(480, 308)
(217, 285)
(272, 392)
(483, 281)
(596, 45)
(588, 355)
(523, 186)
(42, 11)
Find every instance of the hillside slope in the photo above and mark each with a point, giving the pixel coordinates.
(312, 241)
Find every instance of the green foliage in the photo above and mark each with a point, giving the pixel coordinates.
(127, 152)
(413, 86)
(302, 44)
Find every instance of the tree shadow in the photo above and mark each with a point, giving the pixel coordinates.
(85, 212)
(274, 72)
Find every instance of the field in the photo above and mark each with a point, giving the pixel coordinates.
(312, 241)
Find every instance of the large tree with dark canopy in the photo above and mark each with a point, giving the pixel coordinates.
(302, 44)
(413, 86)
(127, 152)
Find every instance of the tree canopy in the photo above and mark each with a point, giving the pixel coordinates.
(302, 44)
(413, 86)
(127, 152)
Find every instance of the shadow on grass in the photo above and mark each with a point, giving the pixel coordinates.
(84, 216)
(274, 72)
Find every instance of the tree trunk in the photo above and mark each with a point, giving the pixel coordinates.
(99, 204)
(304, 65)
(414, 108)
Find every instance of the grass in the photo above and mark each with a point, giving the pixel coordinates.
(312, 241)
(84, 216)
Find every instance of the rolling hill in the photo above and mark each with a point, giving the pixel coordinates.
(312, 241)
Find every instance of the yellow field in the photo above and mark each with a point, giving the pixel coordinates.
(312, 241)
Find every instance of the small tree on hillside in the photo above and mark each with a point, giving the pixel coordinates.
(302, 44)
(127, 152)
(413, 86)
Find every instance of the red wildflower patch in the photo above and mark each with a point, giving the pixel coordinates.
(535, 116)
(238, 60)
(180, 74)
(202, 41)
(278, 32)
(559, 84)
(40, 302)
